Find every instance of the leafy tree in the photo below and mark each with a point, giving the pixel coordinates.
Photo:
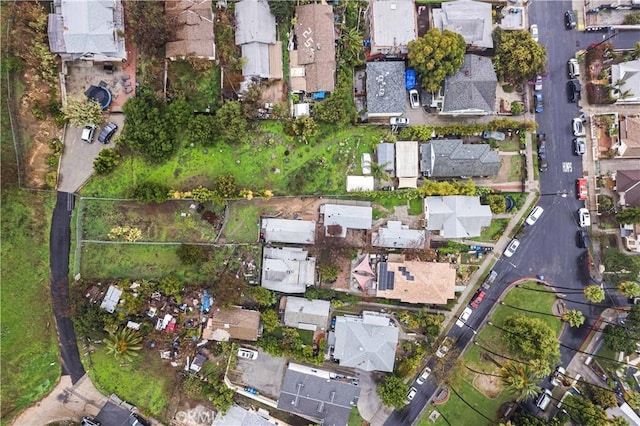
(523, 418)
(629, 289)
(541, 367)
(532, 338)
(82, 111)
(339, 108)
(629, 215)
(252, 101)
(149, 25)
(304, 127)
(231, 122)
(518, 57)
(282, 10)
(123, 343)
(393, 391)
(89, 320)
(497, 203)
(225, 186)
(583, 411)
(270, 320)
(516, 108)
(151, 192)
(170, 286)
(574, 317)
(228, 289)
(633, 399)
(605, 398)
(435, 56)
(190, 254)
(618, 421)
(594, 293)
(623, 337)
(521, 380)
(632, 18)
(202, 130)
(106, 161)
(192, 387)
(262, 296)
(220, 395)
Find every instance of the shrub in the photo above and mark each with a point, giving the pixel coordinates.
(51, 178)
(148, 192)
(107, 161)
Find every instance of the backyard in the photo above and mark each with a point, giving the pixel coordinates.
(493, 232)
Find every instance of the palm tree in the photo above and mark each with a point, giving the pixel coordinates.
(594, 293)
(629, 289)
(351, 41)
(541, 367)
(521, 379)
(378, 172)
(123, 343)
(574, 317)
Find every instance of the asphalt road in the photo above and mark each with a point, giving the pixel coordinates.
(548, 248)
(60, 241)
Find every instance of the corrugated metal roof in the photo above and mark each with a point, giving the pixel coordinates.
(289, 231)
(407, 159)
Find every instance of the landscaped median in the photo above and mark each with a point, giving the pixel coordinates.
(477, 379)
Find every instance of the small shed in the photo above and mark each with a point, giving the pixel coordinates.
(111, 299)
(360, 183)
(301, 110)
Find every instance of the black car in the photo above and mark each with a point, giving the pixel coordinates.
(570, 19)
(107, 133)
(542, 144)
(574, 90)
(583, 239)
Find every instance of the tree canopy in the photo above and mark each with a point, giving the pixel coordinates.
(518, 56)
(393, 391)
(531, 338)
(594, 293)
(106, 161)
(623, 337)
(583, 411)
(629, 215)
(436, 55)
(82, 111)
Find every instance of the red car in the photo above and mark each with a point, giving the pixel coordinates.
(581, 185)
(478, 298)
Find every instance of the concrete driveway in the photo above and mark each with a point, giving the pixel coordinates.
(264, 374)
(76, 164)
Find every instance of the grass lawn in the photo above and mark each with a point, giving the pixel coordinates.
(354, 418)
(511, 144)
(29, 349)
(242, 225)
(273, 161)
(135, 261)
(515, 168)
(146, 382)
(493, 232)
(200, 87)
(415, 207)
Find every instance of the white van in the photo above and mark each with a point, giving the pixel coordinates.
(585, 218)
(544, 399)
(534, 215)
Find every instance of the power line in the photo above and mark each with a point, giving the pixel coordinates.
(574, 301)
(555, 316)
(469, 405)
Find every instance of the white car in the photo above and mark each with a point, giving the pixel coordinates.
(574, 68)
(414, 98)
(537, 86)
(412, 393)
(585, 218)
(423, 376)
(88, 133)
(534, 32)
(557, 376)
(512, 247)
(464, 316)
(534, 215)
(444, 347)
(247, 353)
(580, 146)
(399, 121)
(578, 127)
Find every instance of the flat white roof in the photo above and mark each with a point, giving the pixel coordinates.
(289, 231)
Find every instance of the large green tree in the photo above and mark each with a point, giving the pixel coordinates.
(82, 111)
(594, 293)
(573, 317)
(262, 296)
(518, 57)
(151, 192)
(521, 380)
(583, 411)
(629, 289)
(231, 122)
(531, 338)
(435, 56)
(393, 391)
(106, 161)
(629, 215)
(623, 337)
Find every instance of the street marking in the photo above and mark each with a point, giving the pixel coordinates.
(567, 167)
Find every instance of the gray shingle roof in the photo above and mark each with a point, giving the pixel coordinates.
(238, 416)
(385, 88)
(628, 187)
(317, 394)
(365, 343)
(472, 89)
(387, 157)
(453, 158)
(456, 216)
(287, 270)
(300, 311)
(471, 19)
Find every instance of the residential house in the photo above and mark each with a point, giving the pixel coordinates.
(625, 78)
(239, 416)
(232, 323)
(471, 19)
(407, 164)
(392, 26)
(191, 22)
(87, 30)
(338, 218)
(288, 231)
(629, 133)
(317, 395)
(306, 314)
(449, 158)
(287, 269)
(360, 183)
(630, 234)
(471, 91)
(456, 216)
(397, 235)
(386, 153)
(313, 58)
(628, 187)
(386, 94)
(367, 343)
(427, 283)
(256, 36)
(111, 299)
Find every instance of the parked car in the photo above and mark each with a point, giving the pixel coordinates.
(537, 85)
(486, 285)
(537, 100)
(136, 420)
(88, 133)
(580, 146)
(498, 136)
(570, 21)
(534, 32)
(544, 399)
(543, 164)
(107, 133)
(88, 421)
(478, 298)
(464, 316)
(412, 393)
(581, 189)
(443, 349)
(423, 376)
(534, 215)
(542, 143)
(584, 218)
(414, 99)
(574, 90)
(583, 239)
(557, 376)
(399, 121)
(573, 68)
(247, 353)
(578, 127)
(512, 247)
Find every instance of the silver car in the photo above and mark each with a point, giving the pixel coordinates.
(512, 247)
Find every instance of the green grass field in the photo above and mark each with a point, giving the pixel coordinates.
(493, 232)
(243, 223)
